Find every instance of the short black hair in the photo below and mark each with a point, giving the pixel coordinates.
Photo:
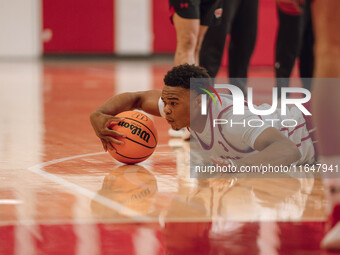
(179, 76)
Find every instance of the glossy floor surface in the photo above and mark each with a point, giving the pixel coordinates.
(61, 194)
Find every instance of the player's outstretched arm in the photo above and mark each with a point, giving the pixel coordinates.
(105, 114)
(274, 149)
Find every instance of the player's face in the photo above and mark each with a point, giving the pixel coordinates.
(176, 106)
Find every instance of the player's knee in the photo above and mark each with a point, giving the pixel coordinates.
(197, 49)
(187, 42)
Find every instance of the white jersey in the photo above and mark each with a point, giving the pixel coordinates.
(236, 139)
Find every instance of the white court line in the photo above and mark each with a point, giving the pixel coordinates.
(37, 169)
(10, 202)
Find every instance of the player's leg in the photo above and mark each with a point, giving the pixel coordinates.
(327, 38)
(307, 47)
(243, 37)
(326, 103)
(288, 43)
(187, 31)
(214, 41)
(326, 110)
(210, 15)
(326, 107)
(201, 34)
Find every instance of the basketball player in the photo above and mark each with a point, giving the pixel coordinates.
(238, 146)
(326, 104)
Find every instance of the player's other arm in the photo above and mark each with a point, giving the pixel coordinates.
(274, 149)
(104, 114)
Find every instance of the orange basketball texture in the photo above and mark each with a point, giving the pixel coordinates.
(141, 137)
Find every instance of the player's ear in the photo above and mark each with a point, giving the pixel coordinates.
(196, 99)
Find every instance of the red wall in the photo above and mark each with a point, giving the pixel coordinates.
(85, 26)
(79, 26)
(163, 30)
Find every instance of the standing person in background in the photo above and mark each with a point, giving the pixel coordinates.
(326, 105)
(294, 39)
(240, 20)
(191, 19)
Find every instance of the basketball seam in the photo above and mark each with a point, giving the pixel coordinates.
(141, 143)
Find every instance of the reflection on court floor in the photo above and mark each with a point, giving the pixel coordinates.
(61, 194)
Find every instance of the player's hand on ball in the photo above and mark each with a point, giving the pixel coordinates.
(102, 125)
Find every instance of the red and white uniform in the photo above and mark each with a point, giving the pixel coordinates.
(237, 141)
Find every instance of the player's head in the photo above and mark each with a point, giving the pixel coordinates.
(176, 93)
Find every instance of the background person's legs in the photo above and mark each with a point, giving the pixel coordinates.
(214, 41)
(240, 19)
(307, 47)
(187, 31)
(243, 38)
(201, 35)
(288, 45)
(191, 19)
(326, 103)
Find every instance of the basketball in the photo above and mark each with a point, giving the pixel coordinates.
(141, 137)
(132, 186)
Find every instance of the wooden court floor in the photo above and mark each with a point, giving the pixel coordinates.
(60, 193)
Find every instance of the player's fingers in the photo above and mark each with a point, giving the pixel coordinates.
(114, 133)
(104, 144)
(114, 141)
(108, 145)
(109, 139)
(112, 148)
(113, 121)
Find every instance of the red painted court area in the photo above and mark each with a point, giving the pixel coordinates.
(172, 238)
(61, 194)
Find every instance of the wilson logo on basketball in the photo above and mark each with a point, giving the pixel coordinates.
(135, 130)
(140, 139)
